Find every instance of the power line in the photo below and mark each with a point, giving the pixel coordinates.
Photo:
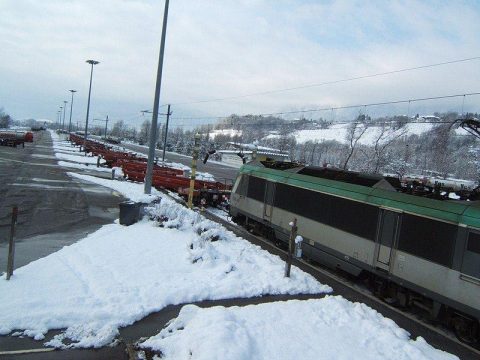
(332, 108)
(331, 82)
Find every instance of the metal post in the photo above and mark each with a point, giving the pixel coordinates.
(166, 132)
(291, 246)
(64, 107)
(71, 107)
(153, 131)
(91, 62)
(11, 244)
(196, 149)
(60, 117)
(106, 124)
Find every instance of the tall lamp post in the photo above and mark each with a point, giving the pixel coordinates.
(71, 107)
(91, 62)
(60, 117)
(158, 85)
(64, 107)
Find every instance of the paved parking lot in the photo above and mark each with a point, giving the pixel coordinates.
(54, 209)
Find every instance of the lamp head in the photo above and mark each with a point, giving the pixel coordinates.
(93, 62)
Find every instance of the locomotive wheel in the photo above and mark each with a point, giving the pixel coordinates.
(466, 330)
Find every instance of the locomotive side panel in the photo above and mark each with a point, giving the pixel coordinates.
(430, 256)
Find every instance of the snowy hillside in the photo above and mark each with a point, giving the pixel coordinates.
(338, 132)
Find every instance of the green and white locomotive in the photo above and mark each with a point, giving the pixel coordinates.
(418, 251)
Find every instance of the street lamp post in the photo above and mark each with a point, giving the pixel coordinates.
(91, 62)
(156, 102)
(64, 107)
(71, 107)
(60, 117)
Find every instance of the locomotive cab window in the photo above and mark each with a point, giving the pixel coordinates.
(241, 185)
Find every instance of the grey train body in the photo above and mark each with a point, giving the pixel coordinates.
(362, 238)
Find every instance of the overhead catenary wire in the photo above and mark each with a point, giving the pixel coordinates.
(331, 82)
(333, 108)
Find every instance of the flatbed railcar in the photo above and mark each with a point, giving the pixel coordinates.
(417, 251)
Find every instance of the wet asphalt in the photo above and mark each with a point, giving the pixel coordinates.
(54, 210)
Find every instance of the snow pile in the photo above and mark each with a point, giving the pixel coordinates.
(119, 274)
(328, 328)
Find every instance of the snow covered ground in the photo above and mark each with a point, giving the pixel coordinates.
(338, 132)
(328, 328)
(118, 275)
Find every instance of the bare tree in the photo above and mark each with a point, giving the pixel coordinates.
(354, 132)
(118, 129)
(144, 133)
(441, 153)
(385, 137)
(5, 119)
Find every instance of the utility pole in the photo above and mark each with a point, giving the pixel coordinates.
(153, 132)
(196, 149)
(166, 133)
(106, 125)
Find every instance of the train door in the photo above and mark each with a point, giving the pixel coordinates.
(471, 256)
(386, 235)
(268, 203)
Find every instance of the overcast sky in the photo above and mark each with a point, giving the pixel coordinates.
(222, 48)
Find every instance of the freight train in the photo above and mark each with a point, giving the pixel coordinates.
(414, 251)
(15, 137)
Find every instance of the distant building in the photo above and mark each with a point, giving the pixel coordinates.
(236, 154)
(427, 118)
